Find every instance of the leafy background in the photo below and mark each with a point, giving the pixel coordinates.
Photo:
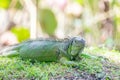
(97, 20)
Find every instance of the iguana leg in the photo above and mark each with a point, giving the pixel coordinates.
(67, 62)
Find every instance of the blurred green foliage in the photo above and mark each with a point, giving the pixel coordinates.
(96, 27)
(47, 20)
(21, 33)
(18, 5)
(4, 4)
(81, 2)
(90, 20)
(116, 6)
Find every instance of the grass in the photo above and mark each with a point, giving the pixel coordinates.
(97, 64)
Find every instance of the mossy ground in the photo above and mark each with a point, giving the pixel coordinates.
(98, 64)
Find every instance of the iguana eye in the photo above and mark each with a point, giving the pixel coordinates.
(77, 42)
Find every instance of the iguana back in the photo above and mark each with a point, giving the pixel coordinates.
(41, 50)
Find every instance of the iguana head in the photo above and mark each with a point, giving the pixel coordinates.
(76, 46)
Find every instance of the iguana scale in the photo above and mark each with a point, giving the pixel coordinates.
(64, 51)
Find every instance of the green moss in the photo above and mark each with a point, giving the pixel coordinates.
(89, 65)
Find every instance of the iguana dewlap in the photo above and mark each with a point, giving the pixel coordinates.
(64, 51)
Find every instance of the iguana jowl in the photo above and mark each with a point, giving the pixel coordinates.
(64, 51)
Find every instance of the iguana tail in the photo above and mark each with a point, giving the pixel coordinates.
(9, 50)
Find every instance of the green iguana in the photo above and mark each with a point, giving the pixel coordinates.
(64, 51)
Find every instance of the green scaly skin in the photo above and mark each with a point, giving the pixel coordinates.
(64, 51)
